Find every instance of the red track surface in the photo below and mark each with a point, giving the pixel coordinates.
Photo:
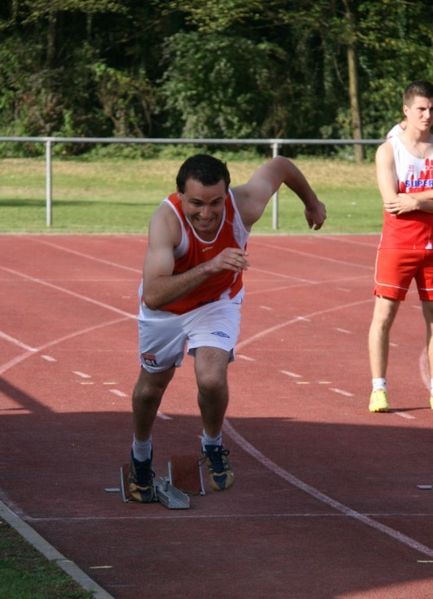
(325, 504)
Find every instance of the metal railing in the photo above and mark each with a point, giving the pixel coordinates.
(273, 144)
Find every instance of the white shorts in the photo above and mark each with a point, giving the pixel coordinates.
(164, 336)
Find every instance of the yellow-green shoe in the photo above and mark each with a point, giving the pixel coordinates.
(379, 401)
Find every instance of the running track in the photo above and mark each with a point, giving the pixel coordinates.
(326, 503)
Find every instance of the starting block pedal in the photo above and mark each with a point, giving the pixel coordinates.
(185, 473)
(184, 478)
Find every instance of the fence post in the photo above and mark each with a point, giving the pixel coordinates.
(48, 184)
(275, 196)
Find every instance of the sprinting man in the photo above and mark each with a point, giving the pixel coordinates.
(192, 292)
(404, 166)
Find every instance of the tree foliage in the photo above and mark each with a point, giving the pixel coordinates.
(210, 68)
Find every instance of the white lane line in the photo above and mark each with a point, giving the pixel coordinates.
(244, 357)
(319, 496)
(343, 331)
(286, 323)
(266, 308)
(7, 365)
(118, 392)
(349, 241)
(174, 515)
(269, 290)
(16, 342)
(163, 416)
(48, 358)
(68, 292)
(82, 375)
(87, 256)
(292, 374)
(315, 256)
(404, 415)
(23, 357)
(341, 392)
(281, 275)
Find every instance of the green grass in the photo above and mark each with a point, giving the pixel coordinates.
(26, 574)
(118, 196)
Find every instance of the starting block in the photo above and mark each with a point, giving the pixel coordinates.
(184, 472)
(184, 478)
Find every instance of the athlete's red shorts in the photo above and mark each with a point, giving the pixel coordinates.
(395, 270)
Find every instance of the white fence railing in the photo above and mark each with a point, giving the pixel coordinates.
(273, 144)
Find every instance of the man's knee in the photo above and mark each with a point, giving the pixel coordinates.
(151, 387)
(384, 312)
(212, 383)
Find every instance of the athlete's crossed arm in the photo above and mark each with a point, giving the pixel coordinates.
(393, 201)
(160, 285)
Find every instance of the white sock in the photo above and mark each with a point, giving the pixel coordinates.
(206, 440)
(142, 450)
(378, 383)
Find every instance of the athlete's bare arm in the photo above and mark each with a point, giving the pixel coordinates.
(394, 202)
(253, 196)
(160, 285)
(387, 177)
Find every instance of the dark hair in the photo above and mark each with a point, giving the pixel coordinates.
(203, 168)
(417, 88)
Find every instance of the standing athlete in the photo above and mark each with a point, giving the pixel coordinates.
(405, 176)
(191, 298)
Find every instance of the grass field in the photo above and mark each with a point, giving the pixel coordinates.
(118, 196)
(25, 574)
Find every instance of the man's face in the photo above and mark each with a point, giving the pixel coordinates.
(420, 113)
(203, 205)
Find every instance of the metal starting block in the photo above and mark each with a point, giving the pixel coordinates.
(184, 478)
(170, 496)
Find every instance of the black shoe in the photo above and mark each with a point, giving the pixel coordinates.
(140, 481)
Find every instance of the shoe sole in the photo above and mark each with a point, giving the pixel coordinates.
(378, 410)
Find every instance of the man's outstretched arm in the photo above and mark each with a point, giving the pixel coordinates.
(253, 197)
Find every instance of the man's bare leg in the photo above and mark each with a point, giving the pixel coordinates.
(384, 313)
(213, 396)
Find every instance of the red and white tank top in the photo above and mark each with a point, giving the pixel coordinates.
(192, 251)
(413, 230)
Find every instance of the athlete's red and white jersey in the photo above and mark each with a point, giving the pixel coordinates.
(192, 251)
(413, 230)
